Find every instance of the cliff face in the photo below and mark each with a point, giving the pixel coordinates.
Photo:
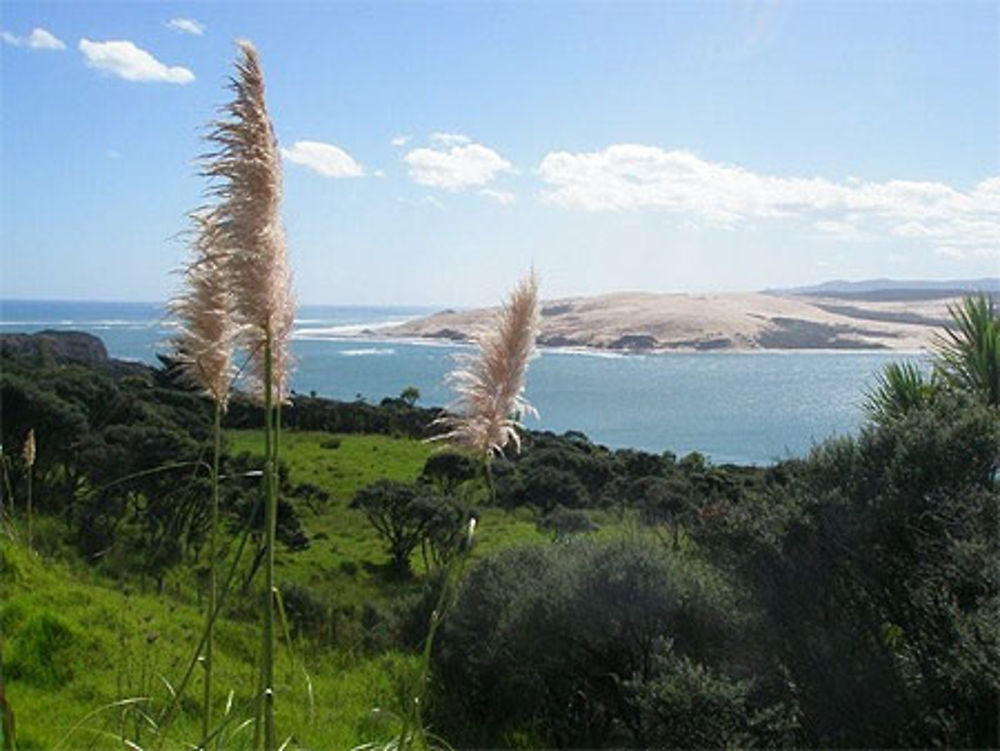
(55, 347)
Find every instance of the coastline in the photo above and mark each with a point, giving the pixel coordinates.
(643, 323)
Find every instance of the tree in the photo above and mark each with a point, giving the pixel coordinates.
(449, 469)
(399, 514)
(662, 501)
(410, 395)
(547, 488)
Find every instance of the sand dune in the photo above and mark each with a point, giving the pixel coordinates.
(642, 321)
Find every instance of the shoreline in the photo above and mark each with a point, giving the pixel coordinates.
(600, 352)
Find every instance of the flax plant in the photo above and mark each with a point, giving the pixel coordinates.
(486, 416)
(204, 344)
(246, 170)
(968, 352)
(29, 467)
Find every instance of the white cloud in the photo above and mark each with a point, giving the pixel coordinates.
(186, 26)
(38, 39)
(431, 201)
(324, 158)
(125, 60)
(450, 139)
(457, 163)
(626, 177)
(842, 230)
(954, 254)
(400, 141)
(500, 196)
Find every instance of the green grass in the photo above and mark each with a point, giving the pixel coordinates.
(72, 647)
(346, 561)
(75, 642)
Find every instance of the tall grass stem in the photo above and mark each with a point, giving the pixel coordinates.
(213, 551)
(270, 523)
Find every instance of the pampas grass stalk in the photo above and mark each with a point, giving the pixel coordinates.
(29, 468)
(247, 168)
(486, 416)
(204, 344)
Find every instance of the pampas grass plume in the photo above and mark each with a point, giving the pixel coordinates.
(206, 331)
(29, 449)
(490, 384)
(247, 171)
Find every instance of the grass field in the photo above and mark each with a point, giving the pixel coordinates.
(346, 560)
(75, 643)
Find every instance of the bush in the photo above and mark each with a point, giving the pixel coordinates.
(876, 564)
(562, 523)
(556, 639)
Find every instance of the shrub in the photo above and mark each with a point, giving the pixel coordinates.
(562, 523)
(556, 638)
(876, 564)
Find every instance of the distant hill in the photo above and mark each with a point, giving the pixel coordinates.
(894, 289)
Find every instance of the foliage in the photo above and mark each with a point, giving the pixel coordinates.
(687, 704)
(562, 522)
(404, 516)
(968, 352)
(550, 638)
(448, 469)
(899, 388)
(876, 566)
(396, 417)
(966, 358)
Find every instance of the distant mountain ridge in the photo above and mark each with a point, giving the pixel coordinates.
(894, 289)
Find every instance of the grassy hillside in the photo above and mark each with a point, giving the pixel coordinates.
(76, 643)
(75, 647)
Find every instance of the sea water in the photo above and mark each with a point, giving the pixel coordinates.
(733, 407)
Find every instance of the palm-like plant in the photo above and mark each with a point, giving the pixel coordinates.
(899, 388)
(967, 354)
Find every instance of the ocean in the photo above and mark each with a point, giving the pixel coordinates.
(748, 408)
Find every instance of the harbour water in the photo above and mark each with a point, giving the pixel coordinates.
(733, 407)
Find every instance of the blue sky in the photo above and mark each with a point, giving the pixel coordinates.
(436, 150)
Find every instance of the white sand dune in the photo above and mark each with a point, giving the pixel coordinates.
(643, 321)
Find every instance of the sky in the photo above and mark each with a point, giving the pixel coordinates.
(434, 152)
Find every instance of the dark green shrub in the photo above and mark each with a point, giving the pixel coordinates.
(876, 564)
(555, 638)
(448, 469)
(562, 523)
(546, 488)
(305, 611)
